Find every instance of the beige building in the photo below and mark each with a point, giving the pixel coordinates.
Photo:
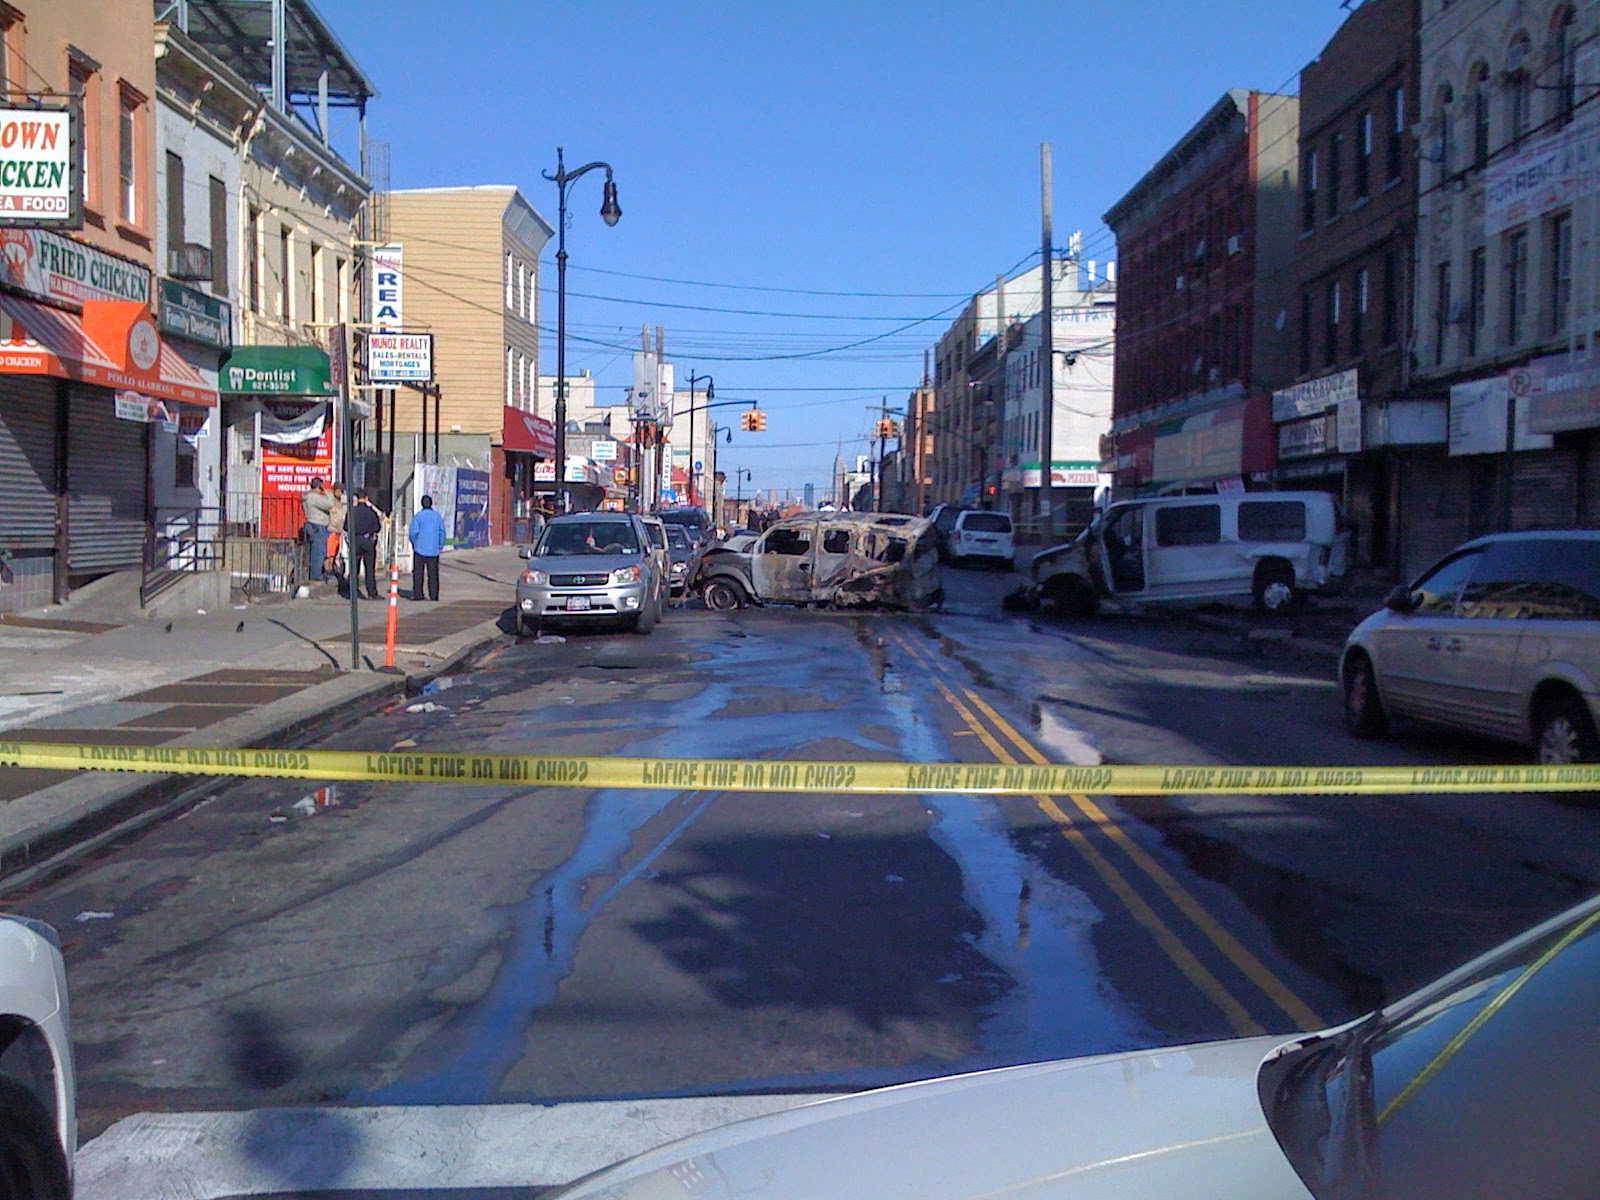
(470, 277)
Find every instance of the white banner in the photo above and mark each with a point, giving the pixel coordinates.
(37, 180)
(387, 282)
(1528, 185)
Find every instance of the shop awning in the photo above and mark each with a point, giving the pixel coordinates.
(114, 344)
(275, 371)
(524, 433)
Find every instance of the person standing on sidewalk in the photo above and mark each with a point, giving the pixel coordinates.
(316, 506)
(338, 510)
(364, 525)
(427, 543)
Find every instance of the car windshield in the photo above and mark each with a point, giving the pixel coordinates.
(1483, 1090)
(677, 538)
(588, 537)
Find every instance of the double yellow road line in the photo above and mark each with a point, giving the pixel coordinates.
(1075, 816)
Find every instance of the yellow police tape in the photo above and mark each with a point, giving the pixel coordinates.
(768, 775)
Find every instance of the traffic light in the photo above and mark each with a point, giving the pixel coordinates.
(747, 420)
(886, 427)
(758, 420)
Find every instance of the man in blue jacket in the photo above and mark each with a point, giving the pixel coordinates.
(427, 543)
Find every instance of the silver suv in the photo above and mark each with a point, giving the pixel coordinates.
(1501, 637)
(592, 567)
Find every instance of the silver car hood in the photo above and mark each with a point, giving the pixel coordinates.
(1182, 1122)
(583, 564)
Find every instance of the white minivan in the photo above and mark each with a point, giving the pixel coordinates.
(980, 534)
(1272, 547)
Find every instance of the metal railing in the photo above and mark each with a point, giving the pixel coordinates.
(180, 542)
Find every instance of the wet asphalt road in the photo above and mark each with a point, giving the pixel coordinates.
(390, 945)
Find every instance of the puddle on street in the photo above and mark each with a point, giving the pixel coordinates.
(1034, 928)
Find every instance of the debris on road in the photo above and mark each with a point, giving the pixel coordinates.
(91, 915)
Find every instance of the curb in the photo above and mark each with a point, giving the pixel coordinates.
(42, 832)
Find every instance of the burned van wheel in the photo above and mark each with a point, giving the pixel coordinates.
(723, 595)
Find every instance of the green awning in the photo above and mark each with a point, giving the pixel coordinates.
(275, 371)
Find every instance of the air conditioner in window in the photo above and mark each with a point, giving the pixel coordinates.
(1179, 284)
(189, 261)
(1235, 244)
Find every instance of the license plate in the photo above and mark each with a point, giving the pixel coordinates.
(577, 604)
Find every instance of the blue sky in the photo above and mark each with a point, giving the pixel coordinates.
(830, 172)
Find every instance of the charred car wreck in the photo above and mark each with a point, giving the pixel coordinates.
(828, 559)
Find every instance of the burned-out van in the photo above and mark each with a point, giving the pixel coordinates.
(839, 560)
(1270, 547)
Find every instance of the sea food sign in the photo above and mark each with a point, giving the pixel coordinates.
(40, 182)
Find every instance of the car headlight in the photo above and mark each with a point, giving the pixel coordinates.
(537, 578)
(626, 574)
(679, 568)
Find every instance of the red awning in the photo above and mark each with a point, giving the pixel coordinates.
(113, 345)
(524, 433)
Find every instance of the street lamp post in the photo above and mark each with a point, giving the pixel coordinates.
(610, 213)
(740, 474)
(711, 394)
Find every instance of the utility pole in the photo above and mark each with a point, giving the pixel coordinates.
(1047, 396)
(877, 475)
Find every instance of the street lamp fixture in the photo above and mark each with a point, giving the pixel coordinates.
(711, 394)
(610, 213)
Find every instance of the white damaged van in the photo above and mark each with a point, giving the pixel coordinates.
(1272, 547)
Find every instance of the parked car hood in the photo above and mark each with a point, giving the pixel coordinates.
(1179, 1122)
(582, 564)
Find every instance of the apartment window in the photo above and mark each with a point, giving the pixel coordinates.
(130, 136)
(1305, 333)
(1480, 114)
(1358, 313)
(1560, 275)
(511, 355)
(1441, 311)
(1308, 192)
(1519, 89)
(11, 57)
(252, 259)
(319, 288)
(1564, 57)
(341, 277)
(510, 281)
(219, 236)
(286, 275)
(1330, 330)
(1516, 275)
(1391, 298)
(1477, 298)
(175, 222)
(83, 82)
(1335, 153)
(1363, 179)
(1397, 132)
(1446, 126)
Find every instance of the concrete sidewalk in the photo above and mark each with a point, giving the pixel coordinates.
(261, 674)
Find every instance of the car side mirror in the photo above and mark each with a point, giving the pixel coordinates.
(1400, 600)
(524, 551)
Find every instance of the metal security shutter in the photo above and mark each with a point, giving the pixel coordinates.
(105, 485)
(1435, 511)
(27, 463)
(1544, 490)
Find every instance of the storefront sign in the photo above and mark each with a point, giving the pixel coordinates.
(1562, 394)
(1315, 395)
(194, 316)
(387, 286)
(471, 525)
(1064, 474)
(1348, 420)
(59, 268)
(1305, 439)
(1478, 418)
(400, 358)
(276, 370)
(604, 451)
(39, 178)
